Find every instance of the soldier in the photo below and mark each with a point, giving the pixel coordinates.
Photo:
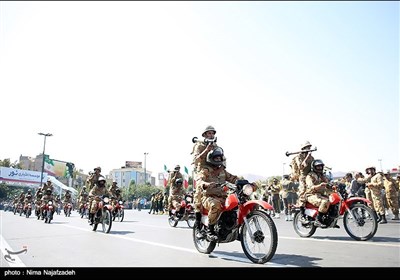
(48, 185)
(28, 199)
(83, 197)
(316, 192)
(375, 185)
(199, 152)
(392, 195)
(275, 189)
(288, 196)
(211, 176)
(93, 177)
(112, 190)
(176, 195)
(67, 199)
(98, 190)
(301, 166)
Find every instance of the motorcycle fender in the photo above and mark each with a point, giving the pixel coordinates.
(311, 212)
(348, 202)
(108, 206)
(231, 202)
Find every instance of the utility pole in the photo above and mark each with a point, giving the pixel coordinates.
(44, 148)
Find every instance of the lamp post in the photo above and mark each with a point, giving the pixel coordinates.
(283, 169)
(145, 174)
(380, 163)
(44, 148)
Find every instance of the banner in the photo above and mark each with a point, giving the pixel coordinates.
(20, 175)
(166, 175)
(58, 168)
(133, 164)
(186, 178)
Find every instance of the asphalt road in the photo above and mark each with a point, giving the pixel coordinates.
(147, 240)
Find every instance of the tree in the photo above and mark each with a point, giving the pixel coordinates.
(7, 163)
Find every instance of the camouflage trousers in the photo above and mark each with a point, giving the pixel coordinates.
(214, 207)
(368, 195)
(197, 198)
(377, 200)
(302, 191)
(320, 201)
(175, 203)
(393, 203)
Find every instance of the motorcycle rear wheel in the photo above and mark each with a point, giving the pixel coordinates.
(265, 237)
(364, 226)
(303, 230)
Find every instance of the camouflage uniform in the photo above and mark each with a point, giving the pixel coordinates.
(375, 186)
(288, 196)
(392, 195)
(94, 194)
(317, 197)
(213, 197)
(113, 193)
(176, 195)
(175, 175)
(301, 166)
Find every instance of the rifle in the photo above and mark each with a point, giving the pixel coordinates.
(302, 151)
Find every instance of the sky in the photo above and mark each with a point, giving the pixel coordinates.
(115, 80)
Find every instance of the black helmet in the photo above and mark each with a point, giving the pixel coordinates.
(117, 190)
(48, 191)
(317, 166)
(178, 181)
(216, 156)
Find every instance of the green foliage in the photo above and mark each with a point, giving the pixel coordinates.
(7, 163)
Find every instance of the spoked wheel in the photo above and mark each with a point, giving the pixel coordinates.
(191, 220)
(202, 244)
(106, 220)
(259, 239)
(362, 224)
(172, 221)
(302, 227)
(120, 215)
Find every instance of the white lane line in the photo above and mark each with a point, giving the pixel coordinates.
(13, 260)
(369, 242)
(218, 255)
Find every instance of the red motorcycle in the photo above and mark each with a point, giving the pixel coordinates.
(242, 219)
(118, 212)
(67, 209)
(359, 220)
(28, 209)
(48, 212)
(103, 214)
(185, 213)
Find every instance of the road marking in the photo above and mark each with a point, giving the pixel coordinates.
(218, 255)
(16, 261)
(339, 241)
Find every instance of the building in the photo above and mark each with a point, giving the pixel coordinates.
(125, 175)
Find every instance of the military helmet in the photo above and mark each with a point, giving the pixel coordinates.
(101, 179)
(305, 145)
(208, 128)
(213, 154)
(177, 167)
(369, 167)
(317, 166)
(178, 181)
(97, 168)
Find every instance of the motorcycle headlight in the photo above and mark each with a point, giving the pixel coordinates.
(120, 202)
(50, 202)
(189, 199)
(248, 189)
(106, 199)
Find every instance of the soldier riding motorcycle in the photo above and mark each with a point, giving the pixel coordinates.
(358, 219)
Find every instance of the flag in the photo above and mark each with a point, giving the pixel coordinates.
(165, 176)
(186, 178)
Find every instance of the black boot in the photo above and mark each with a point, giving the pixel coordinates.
(318, 221)
(197, 225)
(303, 211)
(211, 234)
(91, 218)
(377, 217)
(383, 219)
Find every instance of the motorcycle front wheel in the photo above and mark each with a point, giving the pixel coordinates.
(191, 219)
(172, 221)
(362, 225)
(106, 220)
(259, 237)
(303, 228)
(202, 244)
(120, 215)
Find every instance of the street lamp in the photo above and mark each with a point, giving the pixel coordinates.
(44, 147)
(145, 174)
(380, 163)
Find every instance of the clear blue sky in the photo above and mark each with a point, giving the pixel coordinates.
(112, 80)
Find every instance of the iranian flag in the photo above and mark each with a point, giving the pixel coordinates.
(186, 178)
(165, 176)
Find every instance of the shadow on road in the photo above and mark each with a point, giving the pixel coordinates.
(122, 232)
(348, 238)
(281, 259)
